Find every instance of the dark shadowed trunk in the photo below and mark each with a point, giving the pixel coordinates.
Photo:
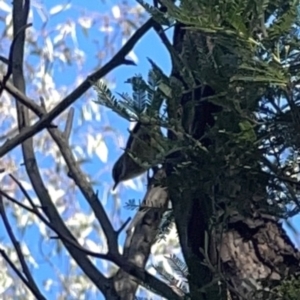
(236, 250)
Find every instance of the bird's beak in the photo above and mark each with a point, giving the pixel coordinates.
(115, 185)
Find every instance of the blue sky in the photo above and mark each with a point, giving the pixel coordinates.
(150, 46)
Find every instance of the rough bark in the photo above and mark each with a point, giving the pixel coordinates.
(256, 253)
(192, 208)
(141, 234)
(251, 250)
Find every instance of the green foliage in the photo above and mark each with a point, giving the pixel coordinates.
(247, 52)
(158, 16)
(166, 225)
(288, 290)
(132, 205)
(139, 100)
(251, 65)
(146, 100)
(179, 268)
(106, 98)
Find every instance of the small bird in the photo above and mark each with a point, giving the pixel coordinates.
(143, 145)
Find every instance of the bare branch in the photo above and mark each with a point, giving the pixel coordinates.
(16, 270)
(116, 61)
(141, 234)
(143, 276)
(10, 57)
(58, 226)
(69, 123)
(4, 194)
(28, 279)
(89, 194)
(20, 13)
(23, 190)
(86, 189)
(119, 260)
(155, 196)
(43, 104)
(4, 59)
(59, 235)
(99, 212)
(23, 99)
(123, 226)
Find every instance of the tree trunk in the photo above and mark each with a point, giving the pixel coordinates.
(141, 234)
(242, 253)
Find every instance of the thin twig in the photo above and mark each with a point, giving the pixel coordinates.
(123, 226)
(116, 258)
(30, 283)
(46, 119)
(20, 14)
(4, 59)
(19, 184)
(62, 237)
(43, 104)
(12, 265)
(86, 189)
(69, 123)
(113, 255)
(10, 57)
(23, 99)
(8, 197)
